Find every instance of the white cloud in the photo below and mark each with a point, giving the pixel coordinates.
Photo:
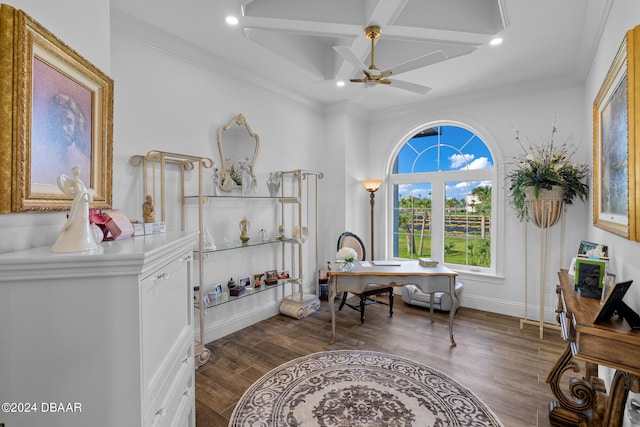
(460, 160)
(481, 163)
(468, 162)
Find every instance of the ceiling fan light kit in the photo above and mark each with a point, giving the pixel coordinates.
(372, 75)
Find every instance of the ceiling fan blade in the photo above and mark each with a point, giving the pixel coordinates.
(411, 87)
(348, 55)
(356, 80)
(420, 62)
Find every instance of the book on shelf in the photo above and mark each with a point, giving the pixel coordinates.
(601, 258)
(427, 262)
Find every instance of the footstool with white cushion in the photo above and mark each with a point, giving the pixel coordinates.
(411, 294)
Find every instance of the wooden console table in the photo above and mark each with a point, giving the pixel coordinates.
(612, 344)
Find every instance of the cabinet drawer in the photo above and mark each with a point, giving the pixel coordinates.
(167, 330)
(176, 398)
(185, 414)
(176, 366)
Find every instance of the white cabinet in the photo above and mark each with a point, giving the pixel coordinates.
(107, 334)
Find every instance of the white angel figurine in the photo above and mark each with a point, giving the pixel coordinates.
(76, 234)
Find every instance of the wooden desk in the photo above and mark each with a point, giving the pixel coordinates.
(611, 344)
(404, 273)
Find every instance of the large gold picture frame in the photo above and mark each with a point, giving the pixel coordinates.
(56, 112)
(615, 127)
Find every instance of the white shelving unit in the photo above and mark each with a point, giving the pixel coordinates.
(299, 304)
(299, 190)
(155, 163)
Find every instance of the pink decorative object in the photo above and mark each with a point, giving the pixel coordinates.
(119, 225)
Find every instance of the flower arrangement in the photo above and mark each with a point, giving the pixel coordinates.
(100, 219)
(544, 166)
(347, 254)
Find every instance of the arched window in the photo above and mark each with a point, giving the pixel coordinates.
(442, 179)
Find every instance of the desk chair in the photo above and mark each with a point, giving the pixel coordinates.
(348, 239)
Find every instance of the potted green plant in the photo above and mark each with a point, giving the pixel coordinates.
(543, 170)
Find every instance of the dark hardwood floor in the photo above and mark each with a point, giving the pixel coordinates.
(504, 365)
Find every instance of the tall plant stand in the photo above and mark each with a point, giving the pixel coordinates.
(544, 212)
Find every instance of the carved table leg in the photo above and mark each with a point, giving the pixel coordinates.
(571, 410)
(620, 386)
(588, 405)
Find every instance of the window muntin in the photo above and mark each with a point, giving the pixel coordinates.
(443, 167)
(443, 148)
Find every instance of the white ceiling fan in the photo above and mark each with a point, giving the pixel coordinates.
(373, 76)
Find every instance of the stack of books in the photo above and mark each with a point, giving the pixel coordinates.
(427, 262)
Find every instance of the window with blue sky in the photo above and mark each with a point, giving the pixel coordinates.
(442, 180)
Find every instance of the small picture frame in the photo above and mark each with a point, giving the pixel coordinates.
(613, 304)
(258, 280)
(572, 267)
(244, 281)
(271, 277)
(284, 274)
(589, 277)
(217, 289)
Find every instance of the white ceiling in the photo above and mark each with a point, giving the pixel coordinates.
(289, 43)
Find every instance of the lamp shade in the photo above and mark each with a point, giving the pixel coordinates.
(371, 185)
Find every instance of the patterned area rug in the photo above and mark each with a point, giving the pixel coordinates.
(359, 388)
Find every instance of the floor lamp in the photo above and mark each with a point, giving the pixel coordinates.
(371, 185)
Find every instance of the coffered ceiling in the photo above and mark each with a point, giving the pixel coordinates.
(290, 45)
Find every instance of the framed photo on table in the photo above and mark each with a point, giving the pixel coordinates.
(615, 163)
(589, 277)
(60, 117)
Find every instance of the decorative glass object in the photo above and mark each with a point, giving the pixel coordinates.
(347, 266)
(348, 256)
(273, 183)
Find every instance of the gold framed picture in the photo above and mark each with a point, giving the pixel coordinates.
(615, 162)
(59, 110)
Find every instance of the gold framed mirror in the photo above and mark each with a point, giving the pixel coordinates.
(238, 146)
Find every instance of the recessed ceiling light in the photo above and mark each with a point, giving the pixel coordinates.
(231, 20)
(496, 41)
(340, 83)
